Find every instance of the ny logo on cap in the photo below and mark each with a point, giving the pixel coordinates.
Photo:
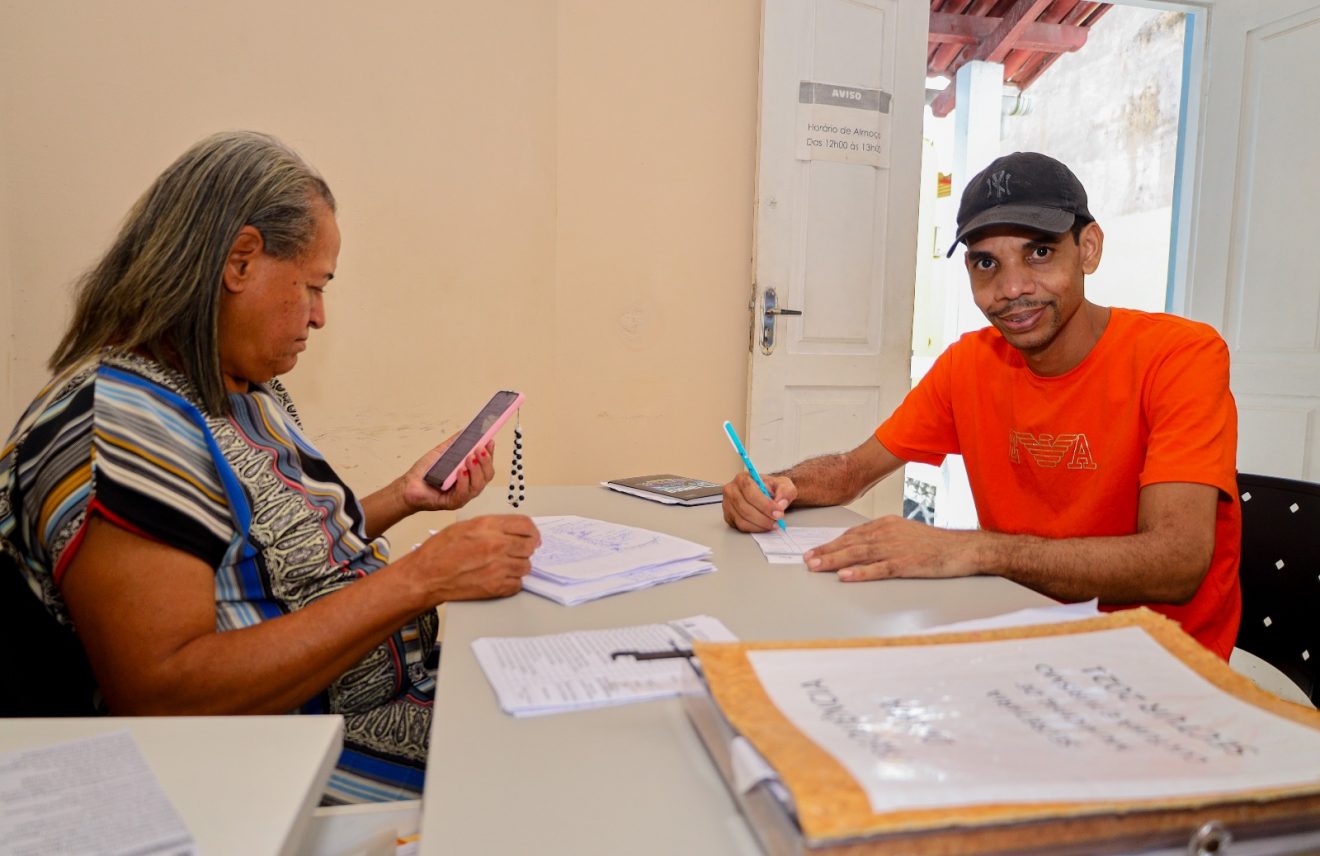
(997, 185)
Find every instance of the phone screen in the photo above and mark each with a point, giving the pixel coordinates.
(478, 432)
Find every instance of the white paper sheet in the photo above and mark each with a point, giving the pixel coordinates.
(94, 795)
(1108, 715)
(534, 675)
(574, 549)
(1056, 614)
(781, 549)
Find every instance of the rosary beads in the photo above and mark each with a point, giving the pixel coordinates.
(516, 470)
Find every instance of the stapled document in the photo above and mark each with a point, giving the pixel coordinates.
(94, 795)
(534, 675)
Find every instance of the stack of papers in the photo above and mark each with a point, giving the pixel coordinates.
(581, 559)
(534, 675)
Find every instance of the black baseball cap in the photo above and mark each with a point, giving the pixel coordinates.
(1022, 189)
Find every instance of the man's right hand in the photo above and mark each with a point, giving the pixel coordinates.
(747, 509)
(480, 558)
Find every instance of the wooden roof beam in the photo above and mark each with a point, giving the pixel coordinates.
(946, 55)
(1062, 12)
(1092, 13)
(963, 30)
(994, 47)
(1017, 18)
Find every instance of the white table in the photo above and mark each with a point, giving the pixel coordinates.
(635, 778)
(242, 784)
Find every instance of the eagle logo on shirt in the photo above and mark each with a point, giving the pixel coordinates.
(1050, 450)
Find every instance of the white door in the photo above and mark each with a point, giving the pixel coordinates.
(842, 93)
(1255, 223)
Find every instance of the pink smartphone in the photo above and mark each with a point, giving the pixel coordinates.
(478, 433)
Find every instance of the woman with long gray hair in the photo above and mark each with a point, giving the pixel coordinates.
(160, 497)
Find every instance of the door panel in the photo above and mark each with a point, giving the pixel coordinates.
(836, 239)
(1255, 220)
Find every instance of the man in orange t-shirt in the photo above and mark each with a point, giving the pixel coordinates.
(1100, 443)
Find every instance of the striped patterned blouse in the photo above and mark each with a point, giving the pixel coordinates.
(126, 438)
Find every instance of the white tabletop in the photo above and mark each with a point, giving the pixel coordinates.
(635, 778)
(241, 784)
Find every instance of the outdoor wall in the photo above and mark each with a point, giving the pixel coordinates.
(1110, 111)
(554, 197)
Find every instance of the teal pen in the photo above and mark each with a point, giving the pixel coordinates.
(751, 469)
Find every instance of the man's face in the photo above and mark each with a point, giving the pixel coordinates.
(265, 326)
(1029, 285)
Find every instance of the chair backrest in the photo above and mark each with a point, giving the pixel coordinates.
(43, 670)
(1280, 576)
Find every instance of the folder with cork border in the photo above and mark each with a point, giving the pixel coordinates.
(1170, 707)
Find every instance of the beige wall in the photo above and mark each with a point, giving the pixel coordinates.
(8, 411)
(553, 197)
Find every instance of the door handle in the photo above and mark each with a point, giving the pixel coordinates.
(769, 312)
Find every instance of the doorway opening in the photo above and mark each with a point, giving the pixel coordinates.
(1116, 111)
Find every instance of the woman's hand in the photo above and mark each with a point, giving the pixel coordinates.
(477, 471)
(476, 559)
(410, 492)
